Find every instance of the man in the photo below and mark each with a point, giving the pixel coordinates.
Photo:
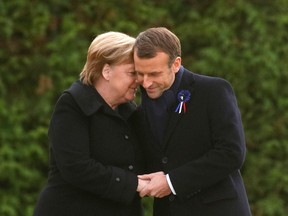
(193, 134)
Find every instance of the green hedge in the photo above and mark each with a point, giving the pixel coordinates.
(43, 48)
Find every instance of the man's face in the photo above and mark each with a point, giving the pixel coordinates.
(154, 74)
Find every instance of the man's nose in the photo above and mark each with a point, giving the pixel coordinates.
(146, 82)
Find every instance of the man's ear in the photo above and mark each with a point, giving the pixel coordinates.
(106, 72)
(176, 64)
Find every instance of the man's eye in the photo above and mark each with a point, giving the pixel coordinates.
(155, 74)
(133, 73)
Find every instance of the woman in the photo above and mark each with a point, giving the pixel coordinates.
(94, 155)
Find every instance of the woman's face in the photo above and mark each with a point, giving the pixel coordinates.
(123, 82)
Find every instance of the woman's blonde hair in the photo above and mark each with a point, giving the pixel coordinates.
(107, 48)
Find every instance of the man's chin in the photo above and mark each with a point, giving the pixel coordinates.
(153, 95)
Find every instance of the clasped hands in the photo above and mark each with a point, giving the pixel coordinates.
(153, 184)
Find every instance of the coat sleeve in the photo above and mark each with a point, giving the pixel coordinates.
(69, 140)
(227, 151)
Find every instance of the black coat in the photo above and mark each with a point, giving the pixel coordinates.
(94, 158)
(202, 150)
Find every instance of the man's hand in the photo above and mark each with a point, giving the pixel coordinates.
(142, 184)
(157, 187)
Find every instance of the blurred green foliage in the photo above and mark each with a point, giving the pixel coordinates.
(43, 49)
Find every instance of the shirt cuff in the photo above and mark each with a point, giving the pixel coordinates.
(170, 184)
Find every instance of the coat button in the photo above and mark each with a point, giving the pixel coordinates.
(117, 179)
(171, 198)
(164, 160)
(126, 137)
(130, 167)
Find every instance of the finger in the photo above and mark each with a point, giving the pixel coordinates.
(145, 177)
(144, 192)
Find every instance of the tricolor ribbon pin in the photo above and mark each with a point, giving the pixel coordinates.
(183, 96)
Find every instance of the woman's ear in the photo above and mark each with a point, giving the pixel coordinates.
(106, 72)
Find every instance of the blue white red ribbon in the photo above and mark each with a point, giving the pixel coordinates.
(183, 96)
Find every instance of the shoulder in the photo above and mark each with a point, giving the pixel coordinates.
(85, 96)
(207, 82)
(66, 106)
(211, 80)
(66, 100)
(209, 87)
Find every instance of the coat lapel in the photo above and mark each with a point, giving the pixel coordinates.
(187, 83)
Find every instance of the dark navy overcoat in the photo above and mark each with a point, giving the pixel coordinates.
(203, 150)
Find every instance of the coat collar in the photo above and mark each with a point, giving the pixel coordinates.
(90, 101)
